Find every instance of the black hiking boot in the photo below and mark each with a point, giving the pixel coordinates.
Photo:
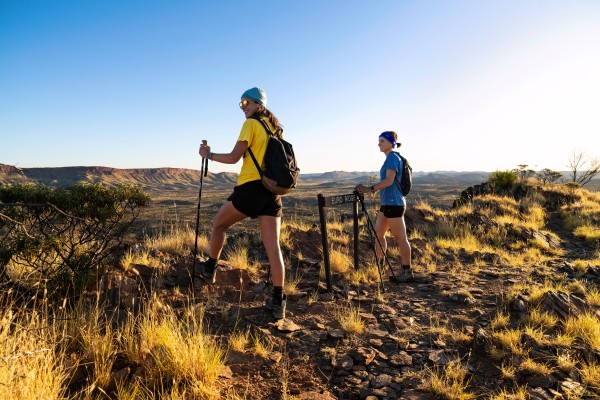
(278, 310)
(406, 275)
(207, 275)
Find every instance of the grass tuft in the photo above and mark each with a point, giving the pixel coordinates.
(350, 320)
(585, 327)
(449, 383)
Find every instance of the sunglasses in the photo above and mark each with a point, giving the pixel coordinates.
(243, 103)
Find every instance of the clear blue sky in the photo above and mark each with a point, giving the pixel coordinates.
(468, 85)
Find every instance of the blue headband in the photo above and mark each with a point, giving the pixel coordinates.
(389, 137)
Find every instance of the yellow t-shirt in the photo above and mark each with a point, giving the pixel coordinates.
(254, 133)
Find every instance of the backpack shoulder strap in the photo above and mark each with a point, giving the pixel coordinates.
(265, 125)
(268, 130)
(255, 162)
(398, 172)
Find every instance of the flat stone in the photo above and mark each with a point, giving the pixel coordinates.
(287, 325)
(380, 333)
(314, 337)
(336, 334)
(439, 357)
(380, 381)
(363, 355)
(571, 388)
(402, 358)
(344, 362)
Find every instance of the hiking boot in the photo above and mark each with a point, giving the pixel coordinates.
(278, 310)
(405, 276)
(200, 271)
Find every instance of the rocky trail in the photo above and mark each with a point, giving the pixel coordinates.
(438, 319)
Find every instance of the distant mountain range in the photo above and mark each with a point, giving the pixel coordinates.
(174, 178)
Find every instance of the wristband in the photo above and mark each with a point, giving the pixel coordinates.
(373, 188)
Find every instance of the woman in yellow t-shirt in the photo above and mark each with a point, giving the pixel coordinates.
(250, 198)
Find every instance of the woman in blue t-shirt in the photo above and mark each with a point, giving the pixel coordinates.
(393, 203)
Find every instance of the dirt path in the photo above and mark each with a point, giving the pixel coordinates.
(574, 247)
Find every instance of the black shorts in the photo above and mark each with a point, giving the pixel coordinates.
(392, 211)
(253, 199)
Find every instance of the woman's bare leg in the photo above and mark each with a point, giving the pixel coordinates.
(269, 230)
(227, 216)
(398, 228)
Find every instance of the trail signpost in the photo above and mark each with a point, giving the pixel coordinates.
(332, 201)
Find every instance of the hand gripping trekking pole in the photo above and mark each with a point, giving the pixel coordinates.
(373, 233)
(203, 173)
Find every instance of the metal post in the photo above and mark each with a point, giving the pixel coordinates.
(355, 228)
(323, 220)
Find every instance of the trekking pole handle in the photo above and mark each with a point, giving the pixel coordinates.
(205, 160)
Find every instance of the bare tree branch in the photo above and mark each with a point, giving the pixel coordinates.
(583, 169)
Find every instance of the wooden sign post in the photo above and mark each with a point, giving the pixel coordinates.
(331, 201)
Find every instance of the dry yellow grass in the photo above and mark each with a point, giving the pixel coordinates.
(581, 266)
(510, 339)
(260, 347)
(365, 274)
(592, 296)
(142, 257)
(95, 338)
(467, 241)
(292, 281)
(590, 375)
(170, 348)
(585, 327)
(565, 362)
(589, 233)
(350, 320)
(31, 366)
(582, 217)
(518, 394)
(238, 256)
(563, 339)
(239, 340)
(340, 262)
(508, 371)
(178, 241)
(296, 224)
(500, 321)
(530, 366)
(339, 238)
(538, 318)
(450, 383)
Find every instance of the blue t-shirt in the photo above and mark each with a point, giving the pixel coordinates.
(391, 195)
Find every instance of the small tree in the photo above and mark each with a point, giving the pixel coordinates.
(548, 176)
(523, 172)
(582, 167)
(57, 237)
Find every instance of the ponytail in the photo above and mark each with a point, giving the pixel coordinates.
(263, 112)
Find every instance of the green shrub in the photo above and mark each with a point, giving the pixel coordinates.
(503, 181)
(56, 238)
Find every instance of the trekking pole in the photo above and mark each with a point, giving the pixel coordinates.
(372, 233)
(203, 173)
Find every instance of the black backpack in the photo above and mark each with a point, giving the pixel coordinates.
(405, 183)
(281, 171)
